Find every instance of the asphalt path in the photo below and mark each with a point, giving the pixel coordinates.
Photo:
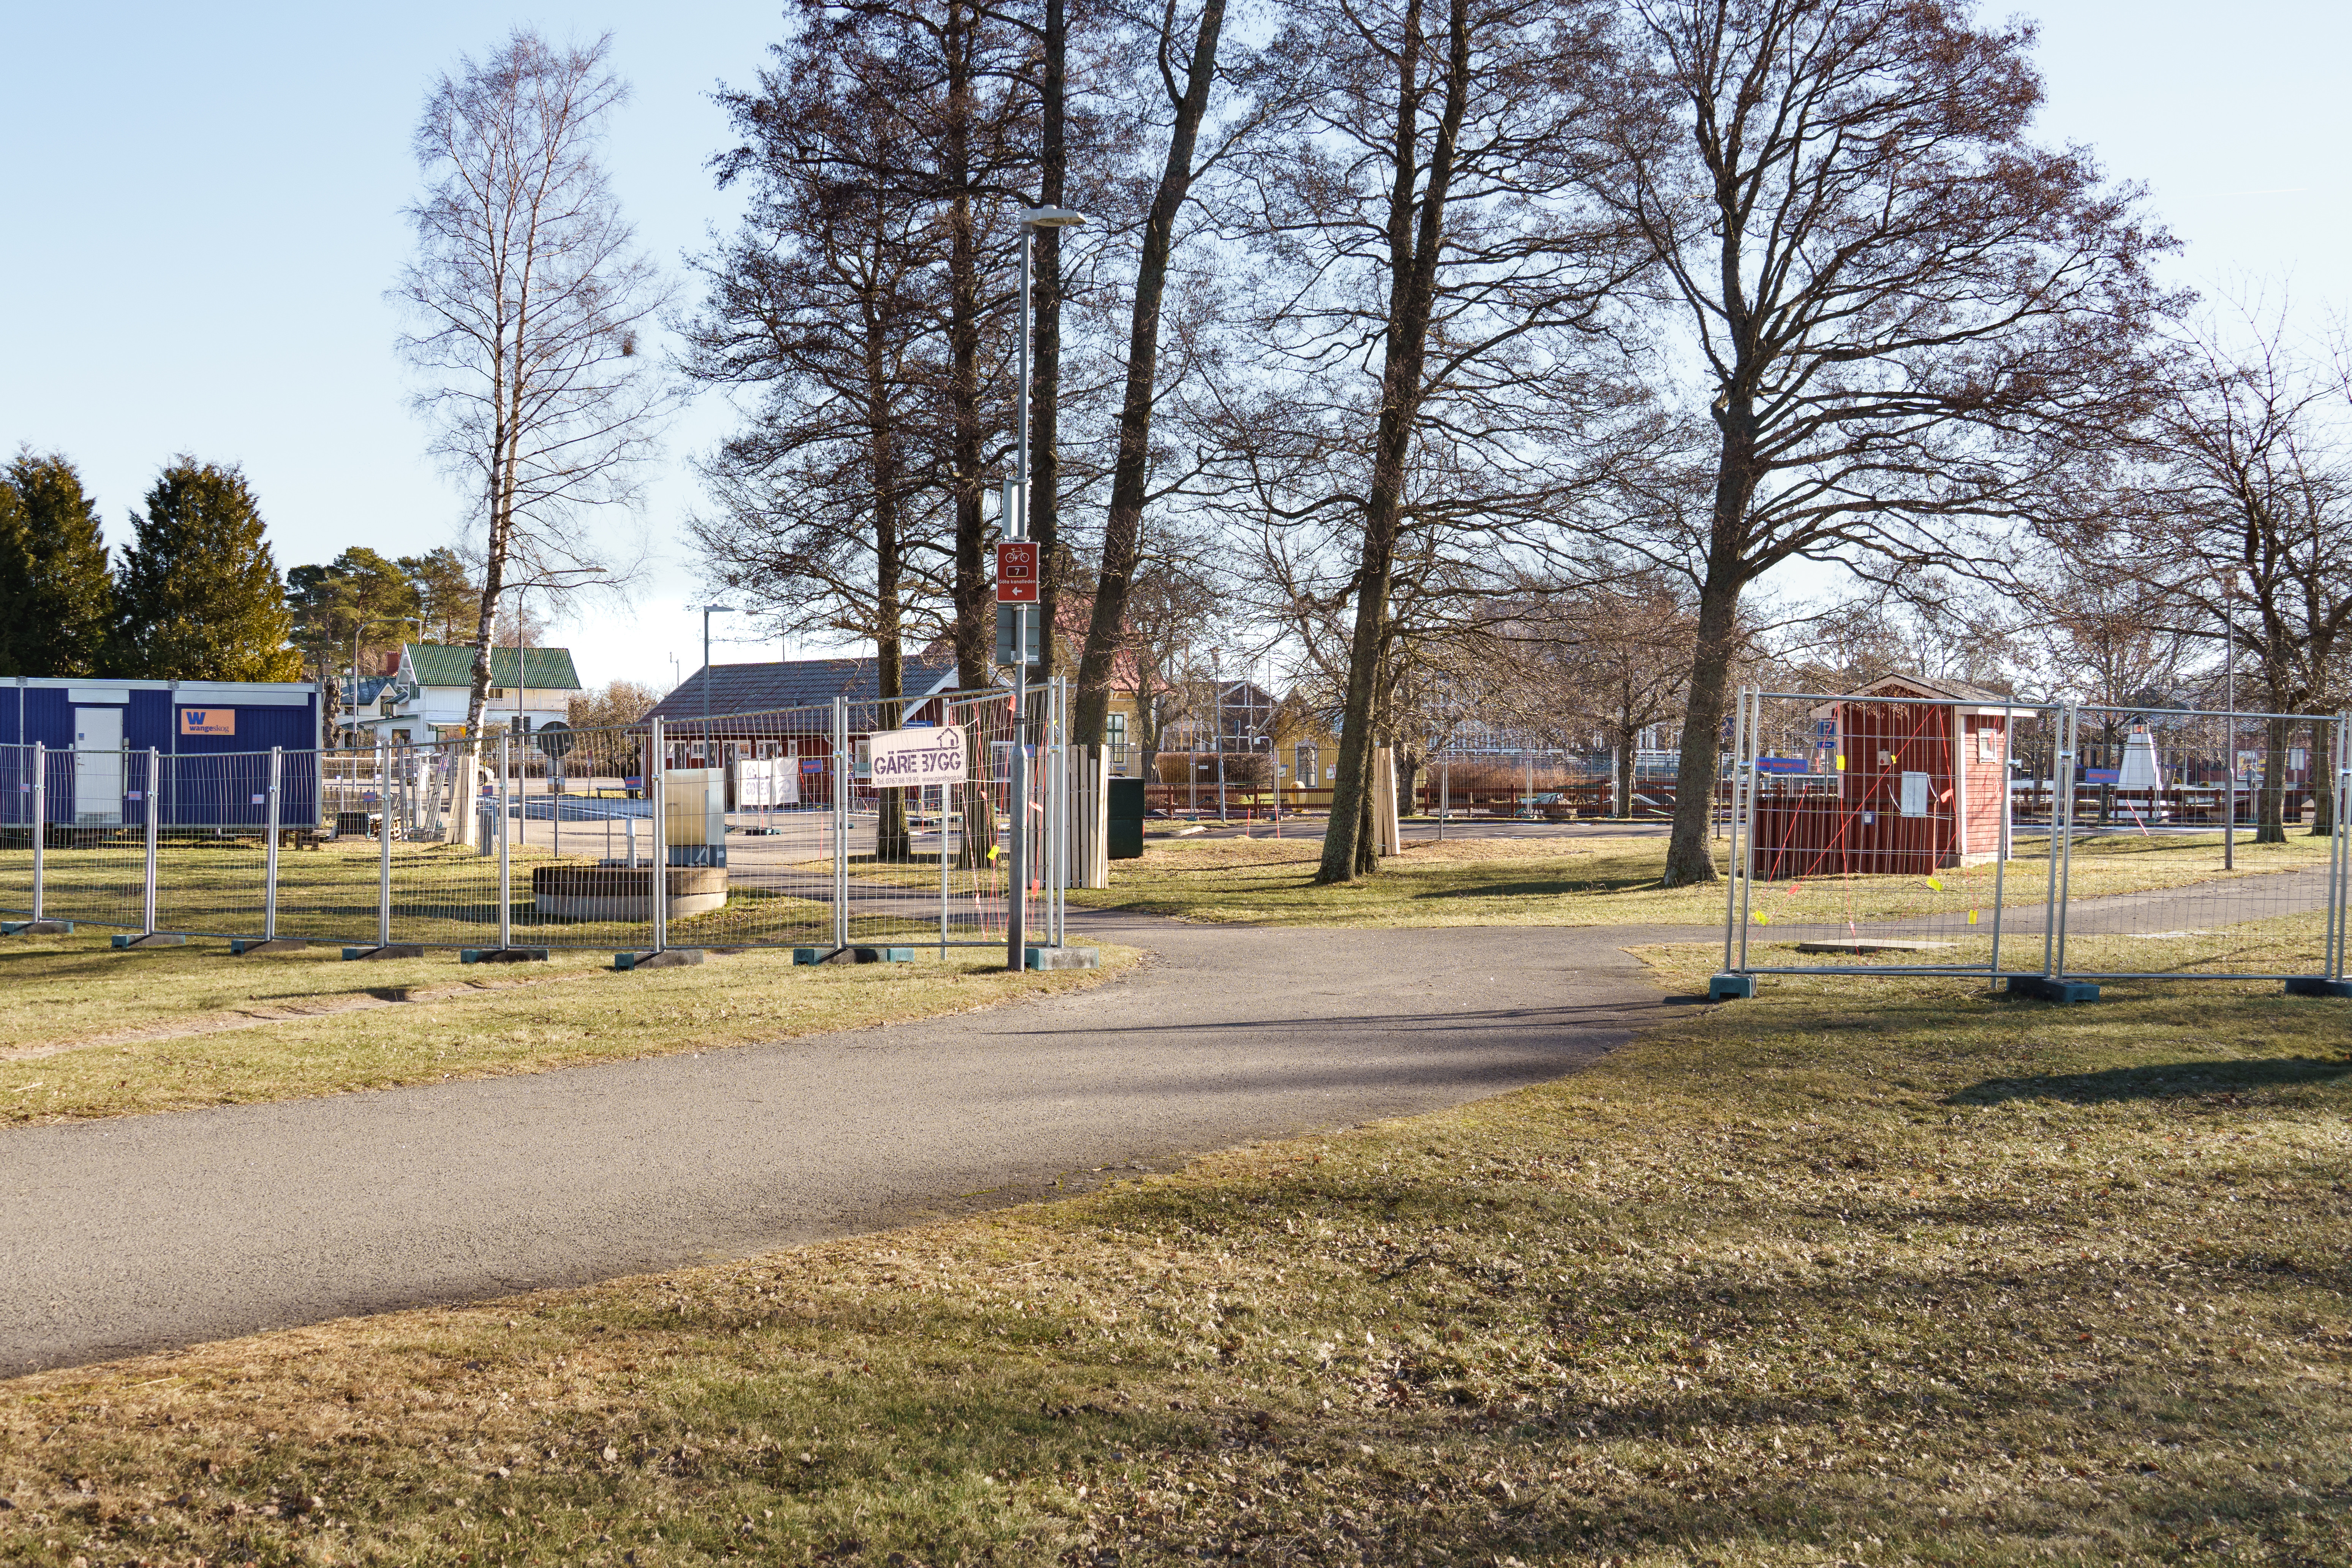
(141, 1233)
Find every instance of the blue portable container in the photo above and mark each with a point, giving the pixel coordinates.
(211, 739)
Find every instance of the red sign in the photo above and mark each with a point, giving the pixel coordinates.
(1016, 571)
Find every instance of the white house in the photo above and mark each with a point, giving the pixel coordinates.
(425, 699)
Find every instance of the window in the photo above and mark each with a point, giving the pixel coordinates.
(1115, 737)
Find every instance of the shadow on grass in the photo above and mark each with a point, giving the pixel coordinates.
(2166, 1081)
(1543, 889)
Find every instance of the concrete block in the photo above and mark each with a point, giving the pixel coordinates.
(394, 949)
(36, 928)
(667, 958)
(502, 955)
(242, 945)
(1730, 987)
(2041, 988)
(1063, 957)
(150, 939)
(853, 955)
(2310, 986)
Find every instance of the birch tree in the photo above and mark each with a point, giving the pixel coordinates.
(529, 301)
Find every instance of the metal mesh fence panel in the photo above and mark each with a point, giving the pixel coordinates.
(1878, 831)
(18, 817)
(2197, 844)
(748, 811)
(1898, 832)
(213, 852)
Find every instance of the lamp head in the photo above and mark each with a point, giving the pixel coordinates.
(1051, 217)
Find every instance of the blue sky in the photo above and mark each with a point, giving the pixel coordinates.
(200, 213)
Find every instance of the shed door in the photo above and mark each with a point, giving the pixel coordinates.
(98, 765)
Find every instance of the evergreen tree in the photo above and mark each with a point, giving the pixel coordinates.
(55, 599)
(198, 598)
(452, 600)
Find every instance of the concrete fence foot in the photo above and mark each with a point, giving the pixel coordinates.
(36, 928)
(667, 958)
(2308, 986)
(502, 955)
(853, 955)
(390, 950)
(2042, 988)
(243, 946)
(1730, 987)
(150, 939)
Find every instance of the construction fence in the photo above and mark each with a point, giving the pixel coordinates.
(739, 831)
(2047, 846)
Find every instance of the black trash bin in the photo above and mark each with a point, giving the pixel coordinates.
(1124, 838)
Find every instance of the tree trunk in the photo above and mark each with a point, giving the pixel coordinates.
(892, 839)
(2322, 778)
(2271, 825)
(1046, 356)
(1413, 260)
(1123, 529)
(1690, 854)
(975, 609)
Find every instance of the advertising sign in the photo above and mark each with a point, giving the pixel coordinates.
(207, 721)
(909, 759)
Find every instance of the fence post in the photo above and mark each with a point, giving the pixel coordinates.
(843, 782)
(2340, 894)
(2061, 851)
(1746, 779)
(1057, 819)
(40, 818)
(384, 849)
(1731, 829)
(2001, 836)
(506, 854)
(154, 759)
(270, 852)
(658, 872)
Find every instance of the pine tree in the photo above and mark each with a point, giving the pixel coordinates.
(56, 598)
(198, 596)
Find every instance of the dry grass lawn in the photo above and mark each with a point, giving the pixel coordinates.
(95, 1032)
(1860, 1272)
(1615, 881)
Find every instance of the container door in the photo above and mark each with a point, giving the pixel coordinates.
(97, 766)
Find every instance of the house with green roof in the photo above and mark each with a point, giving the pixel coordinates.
(425, 699)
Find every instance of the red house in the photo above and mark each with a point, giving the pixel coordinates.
(1911, 775)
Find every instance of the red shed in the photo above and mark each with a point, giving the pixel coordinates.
(1920, 782)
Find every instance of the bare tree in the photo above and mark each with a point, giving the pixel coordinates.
(1899, 300)
(2234, 525)
(1434, 276)
(1184, 51)
(826, 306)
(530, 298)
(1619, 659)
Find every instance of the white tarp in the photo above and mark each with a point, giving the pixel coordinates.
(769, 781)
(910, 759)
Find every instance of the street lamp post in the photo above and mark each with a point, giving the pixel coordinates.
(709, 611)
(1016, 527)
